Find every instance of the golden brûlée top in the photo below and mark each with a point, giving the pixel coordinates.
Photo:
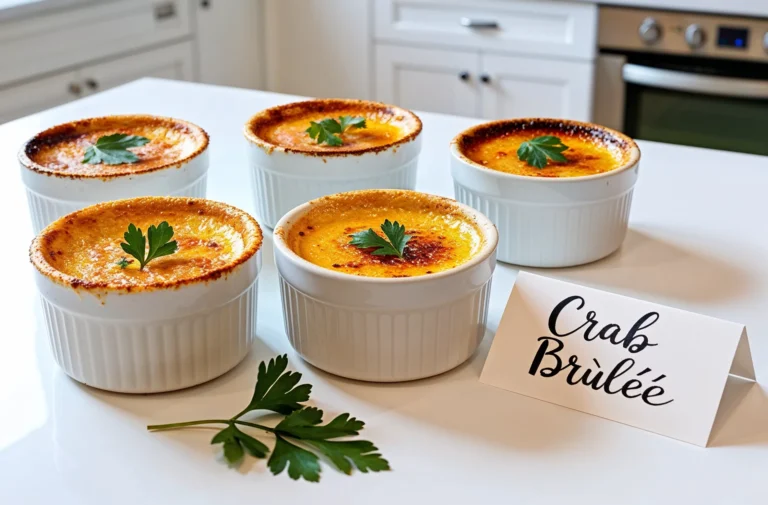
(591, 149)
(83, 249)
(60, 150)
(443, 235)
(285, 126)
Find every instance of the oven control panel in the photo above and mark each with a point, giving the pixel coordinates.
(683, 33)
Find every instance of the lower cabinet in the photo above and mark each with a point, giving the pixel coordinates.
(428, 80)
(475, 83)
(171, 62)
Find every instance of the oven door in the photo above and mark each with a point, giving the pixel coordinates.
(704, 104)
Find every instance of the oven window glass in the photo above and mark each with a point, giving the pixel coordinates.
(716, 122)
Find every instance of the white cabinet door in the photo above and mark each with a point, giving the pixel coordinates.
(39, 94)
(319, 48)
(171, 62)
(229, 42)
(536, 87)
(428, 80)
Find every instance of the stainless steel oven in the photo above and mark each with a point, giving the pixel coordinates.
(691, 79)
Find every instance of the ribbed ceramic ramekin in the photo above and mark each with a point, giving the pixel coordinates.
(385, 329)
(54, 193)
(152, 340)
(550, 222)
(286, 177)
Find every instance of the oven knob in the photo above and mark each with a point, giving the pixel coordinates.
(695, 36)
(650, 31)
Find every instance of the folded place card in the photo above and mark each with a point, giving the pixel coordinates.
(639, 363)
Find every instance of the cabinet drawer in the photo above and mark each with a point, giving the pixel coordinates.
(532, 27)
(54, 41)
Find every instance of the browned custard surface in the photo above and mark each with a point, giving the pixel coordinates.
(85, 246)
(443, 237)
(61, 149)
(590, 150)
(286, 126)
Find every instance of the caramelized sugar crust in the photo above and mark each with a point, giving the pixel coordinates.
(60, 150)
(285, 126)
(82, 249)
(591, 149)
(443, 236)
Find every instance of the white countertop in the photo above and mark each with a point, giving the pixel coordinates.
(697, 241)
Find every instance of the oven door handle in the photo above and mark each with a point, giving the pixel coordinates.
(697, 83)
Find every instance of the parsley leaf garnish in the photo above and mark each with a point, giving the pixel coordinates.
(159, 243)
(395, 246)
(123, 262)
(113, 149)
(537, 151)
(300, 437)
(329, 130)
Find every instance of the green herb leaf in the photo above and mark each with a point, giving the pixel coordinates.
(361, 453)
(277, 391)
(124, 262)
(113, 149)
(300, 462)
(536, 151)
(395, 246)
(236, 442)
(305, 424)
(135, 243)
(329, 130)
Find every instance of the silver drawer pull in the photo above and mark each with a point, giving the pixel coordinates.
(165, 10)
(479, 24)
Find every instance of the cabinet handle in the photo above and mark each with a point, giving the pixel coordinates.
(92, 84)
(205, 4)
(165, 10)
(75, 89)
(464, 76)
(485, 78)
(479, 24)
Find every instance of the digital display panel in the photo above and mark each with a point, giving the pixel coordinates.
(732, 37)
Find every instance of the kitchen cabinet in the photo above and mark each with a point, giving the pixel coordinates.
(172, 62)
(534, 87)
(430, 80)
(229, 42)
(40, 94)
(319, 48)
(486, 58)
(470, 83)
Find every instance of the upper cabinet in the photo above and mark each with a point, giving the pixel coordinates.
(487, 58)
(319, 48)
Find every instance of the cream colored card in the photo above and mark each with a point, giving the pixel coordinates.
(639, 363)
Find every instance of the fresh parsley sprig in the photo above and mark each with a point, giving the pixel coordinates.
(299, 437)
(537, 151)
(113, 149)
(330, 130)
(159, 244)
(395, 246)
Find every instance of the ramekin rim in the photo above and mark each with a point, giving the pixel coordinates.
(269, 147)
(58, 277)
(489, 230)
(200, 134)
(634, 150)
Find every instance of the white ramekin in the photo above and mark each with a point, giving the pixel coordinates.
(156, 340)
(385, 330)
(284, 178)
(550, 222)
(51, 195)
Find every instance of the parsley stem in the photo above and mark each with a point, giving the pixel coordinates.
(254, 425)
(173, 426)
